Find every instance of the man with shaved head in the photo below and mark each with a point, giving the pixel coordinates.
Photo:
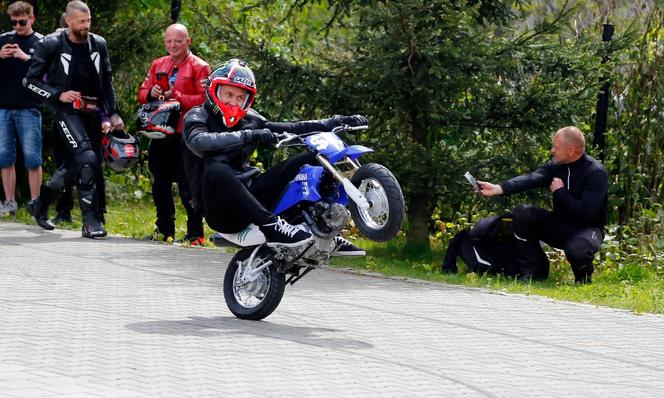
(180, 76)
(579, 187)
(71, 72)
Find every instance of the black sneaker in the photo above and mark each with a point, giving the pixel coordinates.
(585, 279)
(583, 274)
(157, 236)
(345, 248)
(281, 233)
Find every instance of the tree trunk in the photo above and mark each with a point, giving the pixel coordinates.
(418, 217)
(419, 205)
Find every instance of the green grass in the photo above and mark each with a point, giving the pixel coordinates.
(632, 287)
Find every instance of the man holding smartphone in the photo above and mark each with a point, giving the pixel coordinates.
(578, 184)
(179, 76)
(19, 111)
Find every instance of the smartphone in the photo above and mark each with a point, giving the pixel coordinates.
(162, 80)
(10, 42)
(472, 181)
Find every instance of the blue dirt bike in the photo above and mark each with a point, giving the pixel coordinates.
(322, 199)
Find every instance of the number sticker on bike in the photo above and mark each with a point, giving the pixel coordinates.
(319, 141)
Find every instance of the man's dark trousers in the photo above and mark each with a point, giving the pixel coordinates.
(533, 224)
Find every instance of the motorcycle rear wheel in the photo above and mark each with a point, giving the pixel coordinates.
(384, 218)
(256, 299)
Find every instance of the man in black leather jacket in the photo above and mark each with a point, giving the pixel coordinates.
(77, 88)
(224, 132)
(576, 224)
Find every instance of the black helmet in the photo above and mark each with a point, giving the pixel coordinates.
(232, 73)
(121, 150)
(158, 119)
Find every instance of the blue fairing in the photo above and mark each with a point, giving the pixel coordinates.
(333, 148)
(303, 187)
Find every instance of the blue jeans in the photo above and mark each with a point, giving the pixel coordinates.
(26, 124)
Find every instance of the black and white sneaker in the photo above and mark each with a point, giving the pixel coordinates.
(345, 248)
(281, 233)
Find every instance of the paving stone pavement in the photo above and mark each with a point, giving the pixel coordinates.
(124, 318)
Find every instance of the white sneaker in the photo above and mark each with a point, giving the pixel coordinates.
(8, 207)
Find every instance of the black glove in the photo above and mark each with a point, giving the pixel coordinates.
(264, 137)
(353, 121)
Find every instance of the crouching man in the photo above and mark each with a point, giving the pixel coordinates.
(579, 187)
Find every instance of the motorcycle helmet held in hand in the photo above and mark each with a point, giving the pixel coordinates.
(121, 150)
(157, 119)
(232, 73)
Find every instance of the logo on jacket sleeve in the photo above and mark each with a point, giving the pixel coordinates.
(40, 91)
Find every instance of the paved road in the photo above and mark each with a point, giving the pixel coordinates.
(123, 318)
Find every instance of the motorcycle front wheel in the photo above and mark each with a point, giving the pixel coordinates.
(250, 295)
(384, 217)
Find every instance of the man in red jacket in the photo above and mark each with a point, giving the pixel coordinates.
(186, 75)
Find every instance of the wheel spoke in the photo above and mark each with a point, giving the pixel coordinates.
(250, 294)
(377, 215)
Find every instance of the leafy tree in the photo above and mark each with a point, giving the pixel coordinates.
(440, 75)
(635, 141)
(436, 78)
(449, 85)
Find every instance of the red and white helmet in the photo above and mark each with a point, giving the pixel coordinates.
(158, 119)
(232, 73)
(121, 150)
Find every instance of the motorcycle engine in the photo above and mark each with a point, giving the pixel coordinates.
(331, 218)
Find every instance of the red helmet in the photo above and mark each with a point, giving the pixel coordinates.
(232, 73)
(158, 119)
(121, 150)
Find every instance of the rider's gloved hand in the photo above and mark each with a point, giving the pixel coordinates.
(353, 121)
(264, 137)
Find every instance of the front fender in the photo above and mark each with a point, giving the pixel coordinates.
(352, 152)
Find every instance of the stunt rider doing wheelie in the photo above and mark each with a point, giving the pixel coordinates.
(224, 131)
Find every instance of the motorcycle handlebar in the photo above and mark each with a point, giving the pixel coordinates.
(345, 127)
(288, 137)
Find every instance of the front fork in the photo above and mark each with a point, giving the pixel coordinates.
(247, 272)
(351, 190)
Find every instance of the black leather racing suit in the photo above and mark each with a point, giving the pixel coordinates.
(232, 191)
(59, 65)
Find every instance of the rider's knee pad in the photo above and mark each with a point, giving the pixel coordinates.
(86, 157)
(86, 176)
